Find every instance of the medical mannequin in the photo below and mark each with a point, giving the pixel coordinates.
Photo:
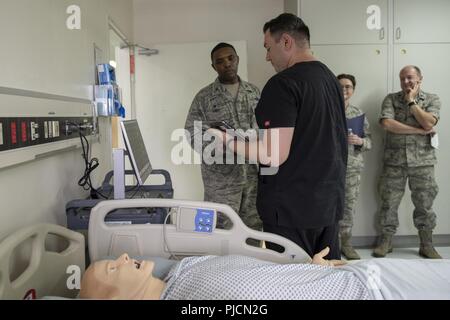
(121, 279)
(128, 279)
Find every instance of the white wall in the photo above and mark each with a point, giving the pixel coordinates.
(180, 21)
(37, 55)
(121, 12)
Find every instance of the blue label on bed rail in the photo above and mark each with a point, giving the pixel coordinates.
(204, 220)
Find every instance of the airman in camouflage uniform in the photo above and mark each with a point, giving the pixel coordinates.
(355, 164)
(409, 117)
(231, 184)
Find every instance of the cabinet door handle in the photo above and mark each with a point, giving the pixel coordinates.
(382, 33)
(398, 33)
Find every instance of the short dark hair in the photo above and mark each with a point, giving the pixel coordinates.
(220, 46)
(290, 24)
(348, 77)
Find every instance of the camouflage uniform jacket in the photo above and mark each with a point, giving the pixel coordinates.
(215, 103)
(355, 160)
(409, 150)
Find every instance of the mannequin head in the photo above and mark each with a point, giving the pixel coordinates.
(123, 279)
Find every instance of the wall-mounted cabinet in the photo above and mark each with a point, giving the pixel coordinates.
(419, 21)
(343, 21)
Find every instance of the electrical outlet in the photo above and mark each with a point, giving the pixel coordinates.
(13, 135)
(46, 129)
(1, 134)
(34, 126)
(23, 132)
(55, 129)
(50, 129)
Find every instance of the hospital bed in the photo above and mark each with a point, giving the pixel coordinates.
(384, 278)
(48, 272)
(54, 273)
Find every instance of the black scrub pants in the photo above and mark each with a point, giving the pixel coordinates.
(311, 240)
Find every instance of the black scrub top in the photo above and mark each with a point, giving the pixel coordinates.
(308, 189)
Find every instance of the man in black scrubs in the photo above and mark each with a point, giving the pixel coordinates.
(303, 108)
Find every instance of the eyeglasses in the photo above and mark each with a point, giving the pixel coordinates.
(348, 87)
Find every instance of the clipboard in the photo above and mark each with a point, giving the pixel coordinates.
(357, 125)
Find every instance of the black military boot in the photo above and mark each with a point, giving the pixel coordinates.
(426, 245)
(346, 247)
(384, 247)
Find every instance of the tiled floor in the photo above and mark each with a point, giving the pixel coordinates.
(404, 253)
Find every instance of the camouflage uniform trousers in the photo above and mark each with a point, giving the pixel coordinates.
(352, 187)
(239, 191)
(423, 188)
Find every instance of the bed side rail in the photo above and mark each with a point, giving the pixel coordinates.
(46, 271)
(106, 240)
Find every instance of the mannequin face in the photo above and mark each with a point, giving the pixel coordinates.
(123, 278)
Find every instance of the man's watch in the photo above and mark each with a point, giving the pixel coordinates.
(410, 104)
